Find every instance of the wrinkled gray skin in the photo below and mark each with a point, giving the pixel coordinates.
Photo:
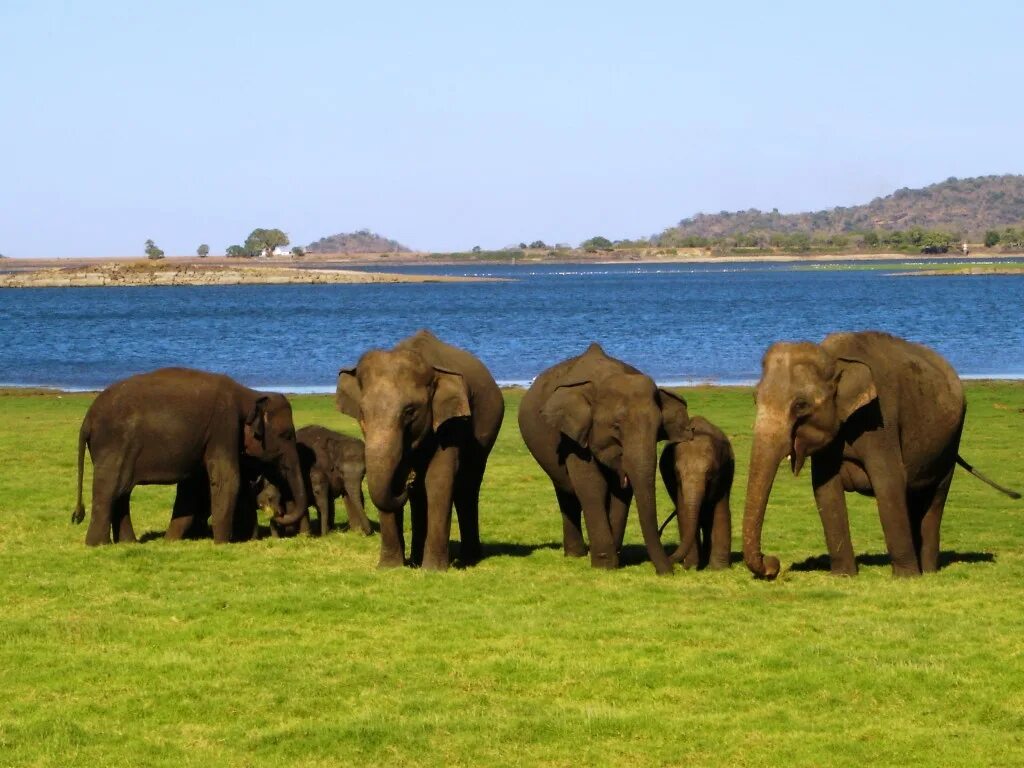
(698, 476)
(430, 414)
(877, 415)
(333, 466)
(593, 424)
(179, 426)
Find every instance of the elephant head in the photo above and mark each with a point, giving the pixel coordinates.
(619, 420)
(400, 401)
(269, 436)
(804, 397)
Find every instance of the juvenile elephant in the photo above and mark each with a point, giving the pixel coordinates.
(430, 414)
(877, 415)
(177, 425)
(333, 465)
(593, 424)
(698, 477)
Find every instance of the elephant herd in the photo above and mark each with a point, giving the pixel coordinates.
(876, 414)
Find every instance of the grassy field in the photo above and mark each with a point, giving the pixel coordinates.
(298, 652)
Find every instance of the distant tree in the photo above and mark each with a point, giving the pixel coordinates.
(538, 244)
(476, 249)
(152, 252)
(236, 252)
(598, 243)
(871, 239)
(522, 246)
(203, 251)
(298, 252)
(991, 238)
(262, 242)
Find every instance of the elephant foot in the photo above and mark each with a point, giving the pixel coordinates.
(905, 571)
(391, 560)
(434, 563)
(719, 565)
(606, 560)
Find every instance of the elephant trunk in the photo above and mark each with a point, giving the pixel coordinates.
(692, 494)
(640, 471)
(386, 474)
(770, 446)
(291, 471)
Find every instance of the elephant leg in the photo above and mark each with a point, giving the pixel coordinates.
(392, 539)
(572, 524)
(720, 551)
(224, 480)
(418, 521)
(304, 525)
(830, 499)
(191, 494)
(356, 508)
(931, 520)
(104, 494)
(890, 487)
(618, 513)
(467, 507)
(439, 484)
(121, 520)
(591, 488)
(322, 502)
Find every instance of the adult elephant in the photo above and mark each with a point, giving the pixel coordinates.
(877, 415)
(593, 424)
(178, 425)
(430, 414)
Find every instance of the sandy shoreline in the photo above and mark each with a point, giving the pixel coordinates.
(186, 272)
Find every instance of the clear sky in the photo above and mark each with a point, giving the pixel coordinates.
(446, 125)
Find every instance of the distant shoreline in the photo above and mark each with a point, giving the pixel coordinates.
(185, 272)
(41, 390)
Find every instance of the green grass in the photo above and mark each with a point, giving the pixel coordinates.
(298, 652)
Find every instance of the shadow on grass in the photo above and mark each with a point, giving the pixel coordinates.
(510, 549)
(823, 562)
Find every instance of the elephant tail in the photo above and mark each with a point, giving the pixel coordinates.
(1012, 494)
(83, 439)
(667, 521)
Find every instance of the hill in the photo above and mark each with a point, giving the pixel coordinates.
(363, 241)
(965, 206)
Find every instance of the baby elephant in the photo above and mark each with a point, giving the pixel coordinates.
(332, 465)
(698, 476)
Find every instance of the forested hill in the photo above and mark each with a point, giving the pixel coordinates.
(967, 206)
(363, 241)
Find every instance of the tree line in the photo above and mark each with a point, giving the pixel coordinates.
(260, 242)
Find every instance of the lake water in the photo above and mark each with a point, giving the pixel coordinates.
(681, 324)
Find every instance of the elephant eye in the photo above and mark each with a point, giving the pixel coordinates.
(409, 412)
(801, 407)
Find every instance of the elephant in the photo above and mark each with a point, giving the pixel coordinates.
(430, 414)
(333, 465)
(179, 425)
(593, 424)
(698, 476)
(878, 415)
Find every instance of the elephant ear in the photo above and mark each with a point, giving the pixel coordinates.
(855, 387)
(451, 397)
(348, 394)
(255, 427)
(570, 411)
(675, 418)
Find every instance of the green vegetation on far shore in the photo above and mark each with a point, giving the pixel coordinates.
(299, 653)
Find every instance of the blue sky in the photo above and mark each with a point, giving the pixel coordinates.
(447, 125)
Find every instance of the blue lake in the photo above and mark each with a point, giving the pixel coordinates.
(680, 323)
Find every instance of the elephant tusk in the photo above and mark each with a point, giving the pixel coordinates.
(411, 479)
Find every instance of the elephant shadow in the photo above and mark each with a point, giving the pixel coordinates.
(946, 558)
(514, 549)
(632, 555)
